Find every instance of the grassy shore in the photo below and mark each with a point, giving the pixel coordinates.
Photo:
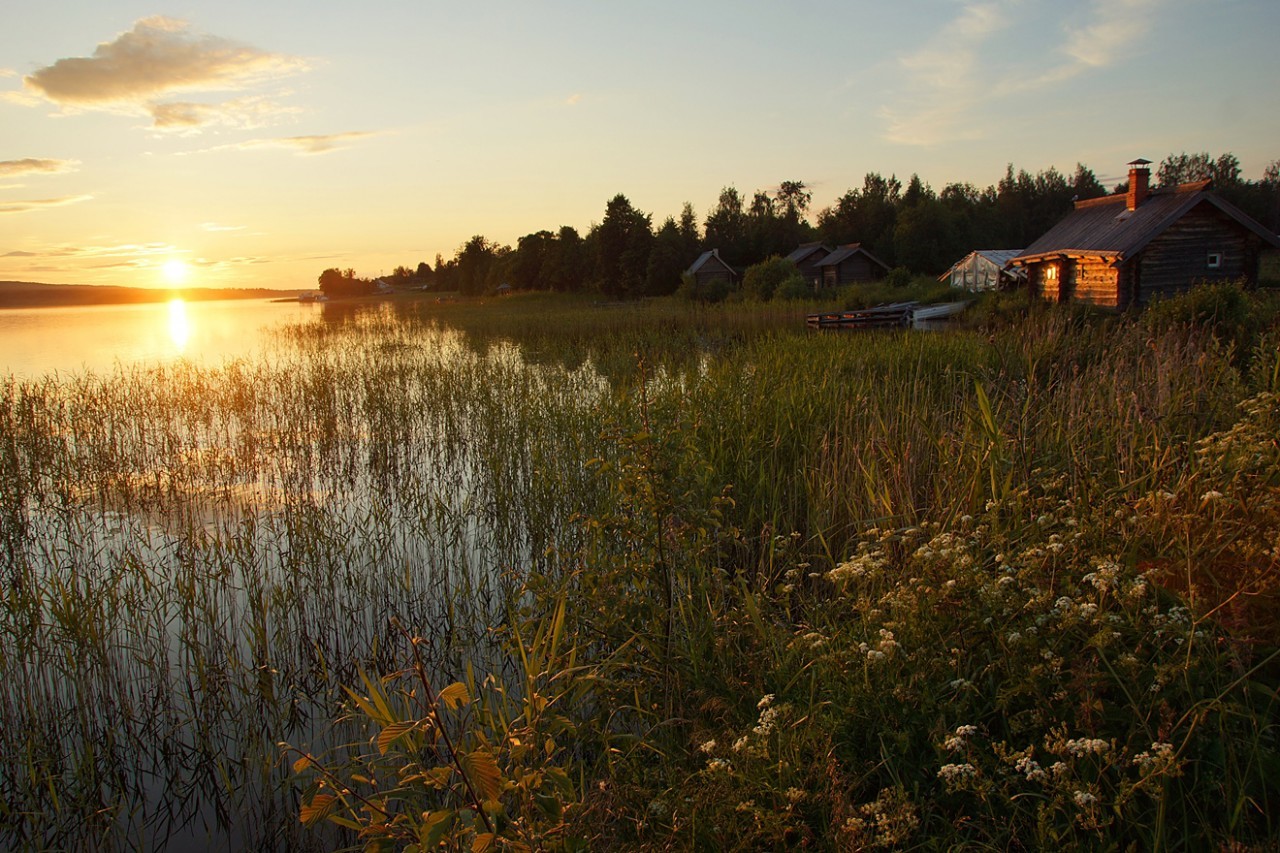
(542, 572)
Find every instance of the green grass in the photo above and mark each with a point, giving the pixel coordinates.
(617, 528)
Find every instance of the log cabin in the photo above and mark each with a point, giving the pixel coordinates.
(1127, 249)
(806, 257)
(710, 268)
(851, 264)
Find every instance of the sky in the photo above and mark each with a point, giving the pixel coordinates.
(255, 144)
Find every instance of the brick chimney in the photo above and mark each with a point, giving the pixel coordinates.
(1139, 183)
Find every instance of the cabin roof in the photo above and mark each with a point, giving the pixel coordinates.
(706, 258)
(848, 251)
(1105, 227)
(805, 250)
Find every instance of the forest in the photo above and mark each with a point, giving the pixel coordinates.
(912, 227)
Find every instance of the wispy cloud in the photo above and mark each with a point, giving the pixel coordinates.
(976, 61)
(160, 57)
(36, 166)
(40, 204)
(1115, 26)
(214, 226)
(319, 144)
(573, 100)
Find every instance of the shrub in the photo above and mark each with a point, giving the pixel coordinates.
(763, 280)
(794, 287)
(898, 277)
(691, 290)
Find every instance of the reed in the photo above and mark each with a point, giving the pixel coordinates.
(619, 527)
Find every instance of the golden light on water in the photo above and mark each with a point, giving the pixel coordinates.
(179, 325)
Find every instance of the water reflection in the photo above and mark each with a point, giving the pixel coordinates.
(179, 325)
(193, 559)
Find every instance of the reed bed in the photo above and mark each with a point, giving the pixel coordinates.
(411, 543)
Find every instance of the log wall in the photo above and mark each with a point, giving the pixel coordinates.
(1177, 260)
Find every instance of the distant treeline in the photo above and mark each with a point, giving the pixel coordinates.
(29, 294)
(913, 227)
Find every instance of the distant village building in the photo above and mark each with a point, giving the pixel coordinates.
(1130, 248)
(851, 264)
(806, 257)
(709, 268)
(985, 269)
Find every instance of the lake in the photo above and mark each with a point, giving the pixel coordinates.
(37, 341)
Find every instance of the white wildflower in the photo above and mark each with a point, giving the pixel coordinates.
(955, 772)
(1031, 769)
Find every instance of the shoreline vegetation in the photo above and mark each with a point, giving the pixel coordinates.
(30, 294)
(541, 572)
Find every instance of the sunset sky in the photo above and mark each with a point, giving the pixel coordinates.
(256, 143)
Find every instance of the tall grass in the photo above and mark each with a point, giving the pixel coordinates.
(617, 528)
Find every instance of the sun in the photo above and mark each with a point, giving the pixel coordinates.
(176, 270)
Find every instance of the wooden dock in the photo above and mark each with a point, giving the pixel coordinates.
(898, 315)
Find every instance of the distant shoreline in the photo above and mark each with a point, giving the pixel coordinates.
(30, 294)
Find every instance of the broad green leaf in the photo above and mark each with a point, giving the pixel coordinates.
(435, 826)
(482, 770)
(392, 733)
(317, 810)
(455, 695)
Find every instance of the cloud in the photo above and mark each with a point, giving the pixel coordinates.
(186, 116)
(973, 64)
(36, 166)
(1117, 25)
(40, 204)
(19, 255)
(213, 226)
(320, 144)
(573, 100)
(158, 58)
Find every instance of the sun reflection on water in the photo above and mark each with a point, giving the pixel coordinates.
(179, 324)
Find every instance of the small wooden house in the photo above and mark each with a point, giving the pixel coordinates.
(851, 264)
(709, 268)
(1130, 248)
(806, 257)
(985, 269)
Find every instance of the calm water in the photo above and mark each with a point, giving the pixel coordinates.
(36, 341)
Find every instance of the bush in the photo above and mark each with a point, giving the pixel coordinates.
(794, 287)
(898, 277)
(1224, 309)
(692, 290)
(763, 280)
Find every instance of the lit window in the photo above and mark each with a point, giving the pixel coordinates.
(1215, 260)
(1051, 272)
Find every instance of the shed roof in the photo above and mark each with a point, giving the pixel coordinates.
(848, 251)
(1105, 227)
(706, 258)
(804, 250)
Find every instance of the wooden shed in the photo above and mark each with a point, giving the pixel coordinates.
(851, 264)
(806, 257)
(1130, 248)
(709, 268)
(985, 269)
